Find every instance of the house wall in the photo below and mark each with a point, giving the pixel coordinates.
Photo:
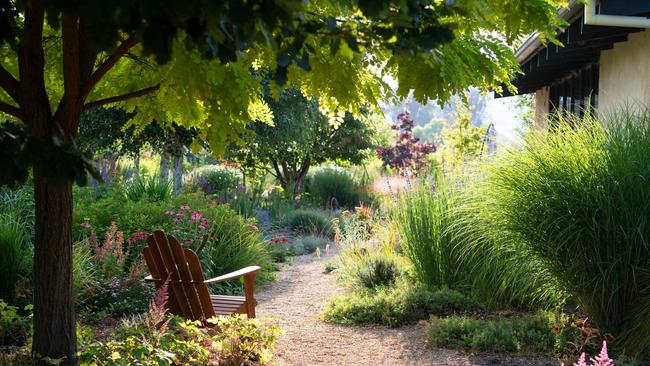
(625, 73)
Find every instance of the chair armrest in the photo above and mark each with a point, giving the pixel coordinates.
(233, 275)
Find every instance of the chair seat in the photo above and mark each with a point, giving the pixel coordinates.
(227, 305)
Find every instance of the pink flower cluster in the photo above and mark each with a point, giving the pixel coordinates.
(112, 246)
(194, 216)
(140, 235)
(601, 360)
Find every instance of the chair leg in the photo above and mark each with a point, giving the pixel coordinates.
(249, 290)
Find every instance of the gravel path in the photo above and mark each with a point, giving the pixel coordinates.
(298, 297)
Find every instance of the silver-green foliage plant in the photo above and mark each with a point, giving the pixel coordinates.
(578, 196)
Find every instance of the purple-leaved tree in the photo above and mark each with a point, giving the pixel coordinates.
(408, 152)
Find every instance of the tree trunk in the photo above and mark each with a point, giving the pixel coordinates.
(54, 316)
(164, 165)
(136, 165)
(177, 173)
(300, 176)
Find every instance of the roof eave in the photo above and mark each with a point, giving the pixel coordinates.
(533, 43)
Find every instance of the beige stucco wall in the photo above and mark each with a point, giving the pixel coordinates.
(625, 73)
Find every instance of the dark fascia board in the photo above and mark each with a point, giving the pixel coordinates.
(626, 8)
(533, 43)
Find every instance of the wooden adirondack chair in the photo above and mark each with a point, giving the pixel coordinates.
(188, 289)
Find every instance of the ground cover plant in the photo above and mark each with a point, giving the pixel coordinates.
(527, 334)
(309, 244)
(395, 305)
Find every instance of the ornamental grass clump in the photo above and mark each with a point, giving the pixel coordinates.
(501, 268)
(578, 198)
(333, 186)
(423, 217)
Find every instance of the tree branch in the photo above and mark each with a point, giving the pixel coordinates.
(279, 176)
(31, 61)
(9, 83)
(71, 103)
(119, 98)
(9, 109)
(108, 64)
(87, 56)
(304, 168)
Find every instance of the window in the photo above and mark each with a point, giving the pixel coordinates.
(577, 92)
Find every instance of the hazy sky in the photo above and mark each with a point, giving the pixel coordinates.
(504, 116)
(500, 112)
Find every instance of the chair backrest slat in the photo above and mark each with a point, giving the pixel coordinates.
(153, 265)
(167, 259)
(201, 288)
(159, 241)
(186, 278)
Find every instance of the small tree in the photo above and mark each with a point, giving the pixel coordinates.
(463, 141)
(300, 137)
(408, 152)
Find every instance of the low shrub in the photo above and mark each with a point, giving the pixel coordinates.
(279, 245)
(333, 187)
(331, 267)
(216, 179)
(15, 327)
(526, 334)
(378, 271)
(242, 341)
(395, 306)
(130, 216)
(309, 222)
(308, 244)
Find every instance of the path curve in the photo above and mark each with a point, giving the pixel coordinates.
(298, 297)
